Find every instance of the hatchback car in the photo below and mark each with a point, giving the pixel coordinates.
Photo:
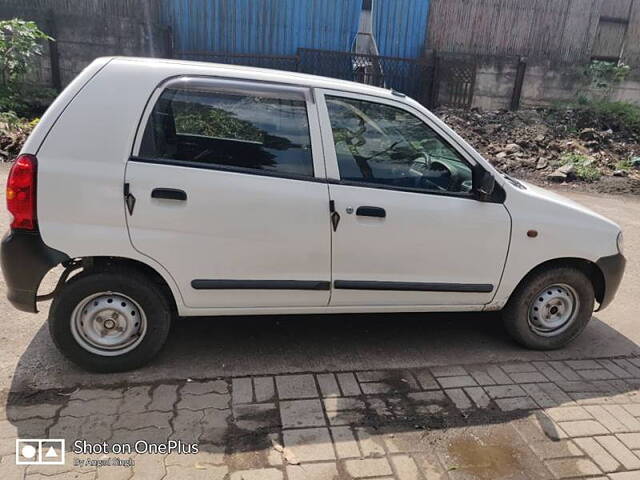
(172, 189)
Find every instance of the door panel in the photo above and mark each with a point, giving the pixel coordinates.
(411, 231)
(234, 226)
(436, 242)
(227, 196)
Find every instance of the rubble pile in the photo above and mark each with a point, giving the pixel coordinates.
(13, 133)
(552, 146)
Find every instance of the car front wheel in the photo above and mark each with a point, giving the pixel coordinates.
(550, 308)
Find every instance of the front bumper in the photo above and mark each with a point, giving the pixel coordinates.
(612, 268)
(25, 260)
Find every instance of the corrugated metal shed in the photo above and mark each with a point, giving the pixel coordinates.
(268, 27)
(400, 26)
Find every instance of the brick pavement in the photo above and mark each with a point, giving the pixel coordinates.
(530, 420)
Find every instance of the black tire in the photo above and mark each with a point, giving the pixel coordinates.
(151, 299)
(516, 313)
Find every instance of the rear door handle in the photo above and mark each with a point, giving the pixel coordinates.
(366, 211)
(169, 193)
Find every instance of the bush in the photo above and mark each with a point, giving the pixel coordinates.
(617, 116)
(20, 43)
(585, 167)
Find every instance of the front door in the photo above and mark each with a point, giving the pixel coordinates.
(410, 230)
(230, 196)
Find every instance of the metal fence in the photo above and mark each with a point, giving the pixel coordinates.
(433, 80)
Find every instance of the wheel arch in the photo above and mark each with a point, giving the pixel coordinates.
(589, 268)
(108, 263)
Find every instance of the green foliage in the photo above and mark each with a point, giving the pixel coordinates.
(625, 164)
(19, 44)
(617, 116)
(604, 74)
(585, 167)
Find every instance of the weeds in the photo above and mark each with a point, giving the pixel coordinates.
(585, 167)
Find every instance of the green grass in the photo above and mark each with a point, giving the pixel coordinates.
(585, 169)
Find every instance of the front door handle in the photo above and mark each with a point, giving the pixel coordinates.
(169, 193)
(367, 211)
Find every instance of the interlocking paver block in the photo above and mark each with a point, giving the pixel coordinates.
(616, 369)
(457, 381)
(572, 467)
(95, 393)
(479, 397)
(163, 398)
(505, 391)
(598, 454)
(459, 398)
(214, 425)
(635, 475)
(539, 396)
(605, 418)
(177, 472)
(546, 450)
(515, 403)
(345, 442)
(302, 413)
(481, 377)
(567, 414)
(405, 467)
(264, 389)
(617, 449)
(599, 374)
(252, 416)
(296, 386)
(498, 375)
(548, 371)
(368, 467)
(583, 428)
(628, 367)
(348, 384)
(187, 426)
(426, 380)
(242, 389)
(528, 377)
(631, 440)
(313, 471)
(556, 394)
(370, 445)
(134, 421)
(371, 388)
(337, 404)
(582, 364)
(328, 385)
(309, 444)
(565, 371)
(624, 417)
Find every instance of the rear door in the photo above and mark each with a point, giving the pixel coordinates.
(411, 230)
(230, 194)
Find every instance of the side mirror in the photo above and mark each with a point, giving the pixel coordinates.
(486, 185)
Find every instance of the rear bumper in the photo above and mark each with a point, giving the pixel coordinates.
(612, 268)
(25, 260)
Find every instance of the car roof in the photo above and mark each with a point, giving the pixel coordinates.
(256, 74)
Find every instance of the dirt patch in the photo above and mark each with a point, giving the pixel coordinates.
(549, 146)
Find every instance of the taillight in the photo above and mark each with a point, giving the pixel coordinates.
(21, 193)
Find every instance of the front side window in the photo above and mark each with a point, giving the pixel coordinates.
(380, 144)
(249, 131)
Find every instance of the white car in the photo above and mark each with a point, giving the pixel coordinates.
(173, 189)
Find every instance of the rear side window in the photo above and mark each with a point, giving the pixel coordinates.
(247, 131)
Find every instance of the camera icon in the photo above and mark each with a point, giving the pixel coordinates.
(39, 451)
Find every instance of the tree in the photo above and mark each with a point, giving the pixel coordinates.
(19, 44)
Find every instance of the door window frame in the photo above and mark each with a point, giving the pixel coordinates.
(241, 87)
(331, 159)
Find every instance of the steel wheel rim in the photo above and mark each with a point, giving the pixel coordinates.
(553, 310)
(108, 324)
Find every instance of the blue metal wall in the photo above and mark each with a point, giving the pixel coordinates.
(400, 26)
(280, 27)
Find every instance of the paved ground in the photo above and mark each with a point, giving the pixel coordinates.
(502, 413)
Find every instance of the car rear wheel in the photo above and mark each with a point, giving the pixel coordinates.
(550, 308)
(110, 321)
